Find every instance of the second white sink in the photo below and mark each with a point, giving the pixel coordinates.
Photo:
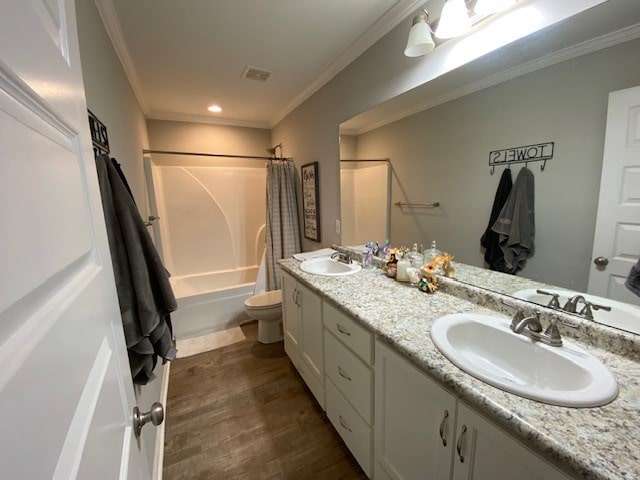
(329, 267)
(485, 347)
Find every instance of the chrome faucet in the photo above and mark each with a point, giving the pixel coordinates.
(586, 311)
(519, 322)
(532, 328)
(342, 257)
(572, 307)
(554, 302)
(572, 303)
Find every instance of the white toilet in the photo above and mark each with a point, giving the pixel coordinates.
(266, 308)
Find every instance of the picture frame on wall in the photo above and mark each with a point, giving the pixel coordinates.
(311, 201)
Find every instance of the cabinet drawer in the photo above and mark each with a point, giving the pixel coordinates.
(356, 337)
(351, 375)
(357, 435)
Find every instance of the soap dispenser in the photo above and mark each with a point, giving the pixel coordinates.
(402, 275)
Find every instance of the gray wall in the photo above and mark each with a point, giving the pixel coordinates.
(442, 154)
(111, 99)
(208, 138)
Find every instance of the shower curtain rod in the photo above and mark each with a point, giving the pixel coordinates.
(222, 155)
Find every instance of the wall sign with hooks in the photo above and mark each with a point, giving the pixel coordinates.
(99, 135)
(538, 152)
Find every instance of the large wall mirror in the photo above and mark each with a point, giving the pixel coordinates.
(550, 87)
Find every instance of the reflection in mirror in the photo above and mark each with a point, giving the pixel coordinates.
(364, 200)
(441, 152)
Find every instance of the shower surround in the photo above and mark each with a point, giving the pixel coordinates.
(211, 232)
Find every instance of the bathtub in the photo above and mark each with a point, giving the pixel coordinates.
(211, 301)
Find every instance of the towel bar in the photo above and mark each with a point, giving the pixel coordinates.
(417, 205)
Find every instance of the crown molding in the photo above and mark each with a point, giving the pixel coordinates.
(392, 17)
(589, 46)
(111, 23)
(186, 117)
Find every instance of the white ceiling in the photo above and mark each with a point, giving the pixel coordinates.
(183, 55)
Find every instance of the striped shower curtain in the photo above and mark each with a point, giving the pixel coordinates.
(283, 227)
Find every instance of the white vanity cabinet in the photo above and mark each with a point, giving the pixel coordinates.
(486, 453)
(414, 421)
(423, 431)
(349, 383)
(303, 333)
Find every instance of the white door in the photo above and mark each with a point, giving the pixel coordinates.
(617, 236)
(65, 387)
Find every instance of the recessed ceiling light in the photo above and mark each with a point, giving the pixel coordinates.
(215, 108)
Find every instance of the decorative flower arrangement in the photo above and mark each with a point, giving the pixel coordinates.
(391, 268)
(428, 273)
(429, 281)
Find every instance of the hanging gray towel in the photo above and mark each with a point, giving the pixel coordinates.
(490, 240)
(144, 292)
(633, 280)
(516, 224)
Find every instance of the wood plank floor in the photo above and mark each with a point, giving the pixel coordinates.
(243, 412)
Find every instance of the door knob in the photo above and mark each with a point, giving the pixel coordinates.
(601, 261)
(155, 416)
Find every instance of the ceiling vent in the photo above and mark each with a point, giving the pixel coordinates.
(253, 73)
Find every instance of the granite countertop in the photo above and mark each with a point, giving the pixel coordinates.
(592, 443)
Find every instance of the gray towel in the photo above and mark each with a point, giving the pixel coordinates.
(516, 224)
(633, 280)
(142, 282)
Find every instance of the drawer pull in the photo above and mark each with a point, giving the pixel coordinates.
(444, 419)
(341, 329)
(344, 423)
(343, 374)
(463, 430)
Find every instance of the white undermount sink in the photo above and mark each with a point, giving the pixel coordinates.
(622, 315)
(485, 347)
(329, 267)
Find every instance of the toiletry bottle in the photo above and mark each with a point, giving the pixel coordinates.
(415, 257)
(429, 253)
(402, 275)
(368, 255)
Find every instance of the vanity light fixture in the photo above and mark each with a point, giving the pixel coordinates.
(420, 41)
(454, 20)
(215, 108)
(489, 7)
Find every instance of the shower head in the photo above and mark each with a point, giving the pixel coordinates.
(272, 150)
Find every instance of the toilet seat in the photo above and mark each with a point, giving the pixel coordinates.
(264, 300)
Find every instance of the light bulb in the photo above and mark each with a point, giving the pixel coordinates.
(454, 20)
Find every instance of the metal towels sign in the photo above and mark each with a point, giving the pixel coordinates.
(528, 153)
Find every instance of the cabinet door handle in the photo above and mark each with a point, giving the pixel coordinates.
(463, 430)
(341, 329)
(296, 296)
(343, 374)
(444, 419)
(344, 423)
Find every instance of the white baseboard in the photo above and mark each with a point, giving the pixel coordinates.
(158, 460)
